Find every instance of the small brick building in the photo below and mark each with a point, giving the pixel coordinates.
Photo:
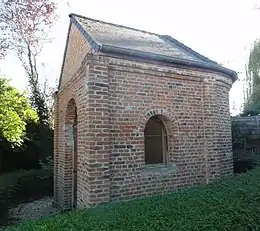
(137, 114)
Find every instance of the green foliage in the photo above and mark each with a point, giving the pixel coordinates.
(230, 204)
(15, 112)
(252, 97)
(47, 163)
(243, 165)
(35, 152)
(23, 186)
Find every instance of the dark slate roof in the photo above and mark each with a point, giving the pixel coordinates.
(113, 38)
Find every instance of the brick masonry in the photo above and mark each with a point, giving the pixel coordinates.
(114, 97)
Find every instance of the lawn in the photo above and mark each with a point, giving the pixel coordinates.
(233, 204)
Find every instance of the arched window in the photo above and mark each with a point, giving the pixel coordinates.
(155, 139)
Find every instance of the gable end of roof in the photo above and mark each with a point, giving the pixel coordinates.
(64, 54)
(95, 46)
(92, 42)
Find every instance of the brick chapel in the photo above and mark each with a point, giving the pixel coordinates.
(137, 114)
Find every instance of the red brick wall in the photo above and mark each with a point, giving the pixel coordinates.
(63, 149)
(115, 98)
(224, 129)
(190, 106)
(72, 86)
(77, 49)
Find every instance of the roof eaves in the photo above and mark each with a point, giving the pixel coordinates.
(169, 59)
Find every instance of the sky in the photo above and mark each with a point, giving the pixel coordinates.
(222, 30)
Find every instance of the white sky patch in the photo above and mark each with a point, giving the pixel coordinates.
(222, 30)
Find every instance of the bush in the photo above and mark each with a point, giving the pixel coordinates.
(23, 186)
(230, 204)
(47, 163)
(30, 155)
(241, 166)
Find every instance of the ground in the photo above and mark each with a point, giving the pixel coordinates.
(33, 210)
(229, 204)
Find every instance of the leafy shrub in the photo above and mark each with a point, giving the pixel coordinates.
(23, 186)
(47, 163)
(230, 204)
(15, 112)
(241, 166)
(30, 155)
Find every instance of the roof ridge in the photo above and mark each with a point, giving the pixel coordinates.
(113, 24)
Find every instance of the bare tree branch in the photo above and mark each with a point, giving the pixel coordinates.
(26, 24)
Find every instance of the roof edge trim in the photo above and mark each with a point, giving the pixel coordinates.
(95, 46)
(151, 56)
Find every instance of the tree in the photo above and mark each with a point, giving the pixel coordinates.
(15, 113)
(252, 88)
(3, 48)
(26, 24)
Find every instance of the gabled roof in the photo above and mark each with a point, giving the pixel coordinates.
(112, 38)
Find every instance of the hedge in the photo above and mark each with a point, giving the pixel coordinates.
(23, 186)
(230, 204)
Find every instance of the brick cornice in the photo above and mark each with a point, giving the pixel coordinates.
(159, 70)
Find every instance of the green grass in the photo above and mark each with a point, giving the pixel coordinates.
(233, 204)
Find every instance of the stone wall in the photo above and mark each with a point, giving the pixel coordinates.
(246, 137)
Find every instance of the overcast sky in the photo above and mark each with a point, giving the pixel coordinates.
(222, 30)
